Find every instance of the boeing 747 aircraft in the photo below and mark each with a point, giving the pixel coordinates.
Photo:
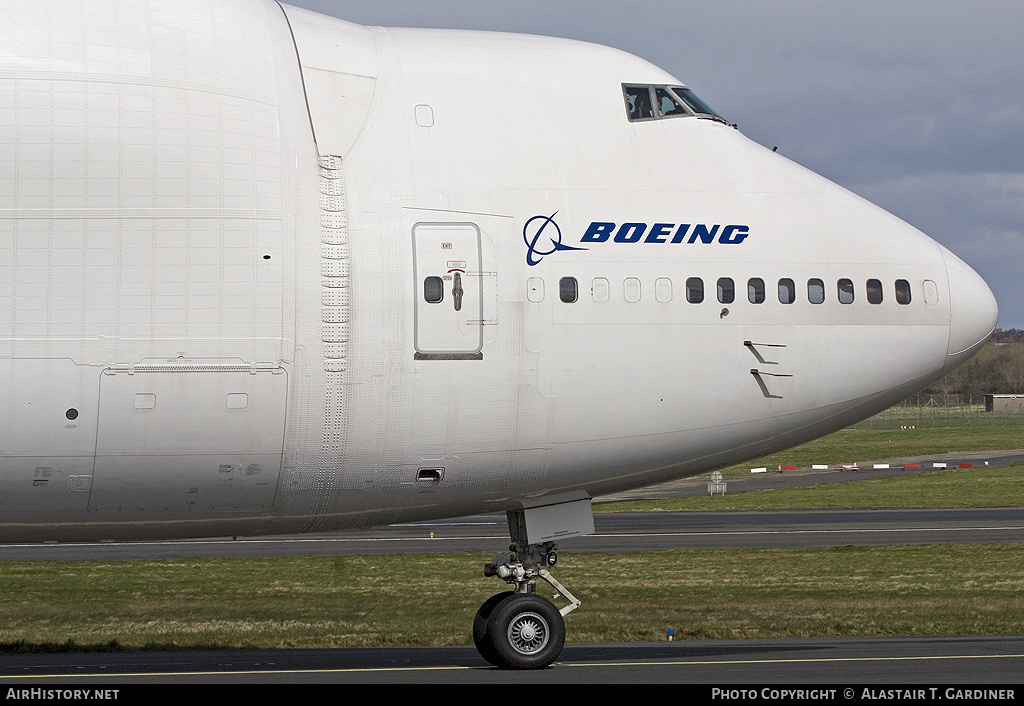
(266, 271)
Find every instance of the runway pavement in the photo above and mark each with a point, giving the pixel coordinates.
(616, 532)
(839, 664)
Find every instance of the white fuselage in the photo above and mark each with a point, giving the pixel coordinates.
(217, 225)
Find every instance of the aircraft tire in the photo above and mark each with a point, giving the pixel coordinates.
(526, 631)
(480, 622)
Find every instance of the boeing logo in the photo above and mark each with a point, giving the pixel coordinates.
(540, 230)
(665, 233)
(532, 232)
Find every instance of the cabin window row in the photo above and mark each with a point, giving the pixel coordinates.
(726, 290)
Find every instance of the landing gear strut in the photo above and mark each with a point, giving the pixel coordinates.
(519, 629)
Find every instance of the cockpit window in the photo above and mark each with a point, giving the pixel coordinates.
(699, 107)
(638, 102)
(668, 104)
(647, 102)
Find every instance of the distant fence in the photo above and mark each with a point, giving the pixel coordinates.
(922, 411)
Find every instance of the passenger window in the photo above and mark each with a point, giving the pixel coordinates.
(787, 291)
(535, 290)
(755, 290)
(433, 290)
(638, 102)
(631, 290)
(568, 290)
(599, 290)
(902, 291)
(815, 291)
(695, 290)
(845, 291)
(874, 287)
(931, 292)
(663, 290)
(726, 290)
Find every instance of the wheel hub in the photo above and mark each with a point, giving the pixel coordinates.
(528, 633)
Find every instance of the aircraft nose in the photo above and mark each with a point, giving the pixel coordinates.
(972, 310)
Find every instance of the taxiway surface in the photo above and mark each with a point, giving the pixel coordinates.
(841, 664)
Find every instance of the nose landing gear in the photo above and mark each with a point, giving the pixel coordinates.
(519, 629)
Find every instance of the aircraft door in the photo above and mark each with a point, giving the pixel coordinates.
(448, 291)
(179, 440)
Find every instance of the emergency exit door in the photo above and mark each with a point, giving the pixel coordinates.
(448, 289)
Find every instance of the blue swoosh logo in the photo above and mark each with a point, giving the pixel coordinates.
(533, 231)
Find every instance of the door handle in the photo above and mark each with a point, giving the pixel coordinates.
(457, 291)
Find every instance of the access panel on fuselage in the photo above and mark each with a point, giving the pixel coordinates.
(183, 442)
(448, 291)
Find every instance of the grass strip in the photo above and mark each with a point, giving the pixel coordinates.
(958, 487)
(431, 599)
(858, 445)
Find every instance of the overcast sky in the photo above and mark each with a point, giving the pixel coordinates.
(917, 105)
